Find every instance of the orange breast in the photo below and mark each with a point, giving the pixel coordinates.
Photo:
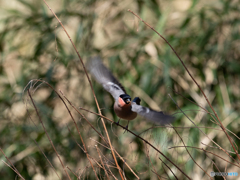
(124, 110)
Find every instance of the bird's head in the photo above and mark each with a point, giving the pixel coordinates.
(126, 98)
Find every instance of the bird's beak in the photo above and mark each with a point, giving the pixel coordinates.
(128, 101)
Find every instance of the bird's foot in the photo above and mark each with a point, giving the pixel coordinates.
(126, 128)
(117, 122)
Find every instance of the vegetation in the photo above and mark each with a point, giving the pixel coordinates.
(34, 47)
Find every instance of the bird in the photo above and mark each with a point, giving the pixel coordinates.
(124, 107)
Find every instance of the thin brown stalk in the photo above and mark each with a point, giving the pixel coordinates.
(86, 152)
(127, 165)
(47, 158)
(165, 172)
(76, 140)
(110, 171)
(214, 164)
(40, 119)
(182, 127)
(12, 169)
(191, 101)
(158, 175)
(147, 153)
(168, 168)
(120, 158)
(207, 152)
(233, 133)
(97, 163)
(100, 157)
(190, 154)
(217, 148)
(100, 135)
(100, 143)
(90, 83)
(85, 149)
(221, 125)
(73, 172)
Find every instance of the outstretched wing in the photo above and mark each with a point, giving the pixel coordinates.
(103, 76)
(151, 115)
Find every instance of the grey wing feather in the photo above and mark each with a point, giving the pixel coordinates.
(151, 115)
(103, 76)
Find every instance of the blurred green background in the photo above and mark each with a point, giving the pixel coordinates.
(206, 35)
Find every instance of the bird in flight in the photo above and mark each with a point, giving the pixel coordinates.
(123, 106)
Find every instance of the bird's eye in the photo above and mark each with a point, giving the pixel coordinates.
(115, 87)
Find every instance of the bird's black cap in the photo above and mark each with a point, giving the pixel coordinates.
(125, 97)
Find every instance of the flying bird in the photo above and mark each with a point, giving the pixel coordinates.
(123, 106)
